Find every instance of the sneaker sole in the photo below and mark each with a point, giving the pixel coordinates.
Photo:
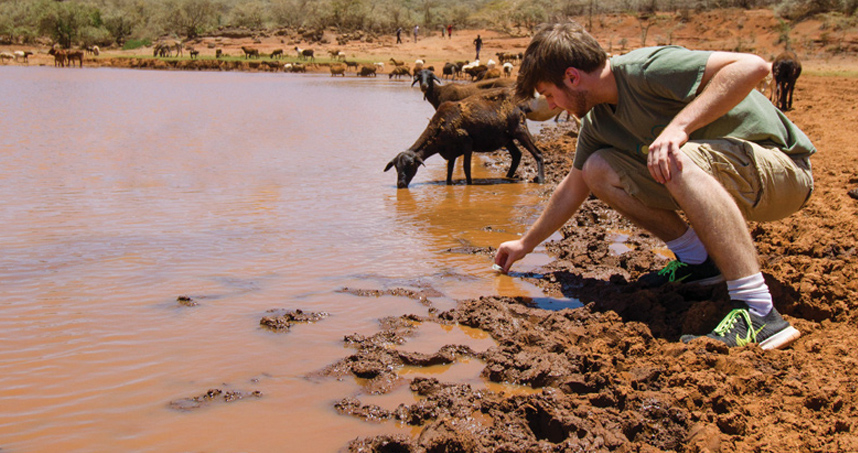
(781, 339)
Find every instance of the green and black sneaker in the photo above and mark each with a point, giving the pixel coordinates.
(741, 327)
(705, 273)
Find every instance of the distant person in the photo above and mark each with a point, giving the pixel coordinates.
(399, 35)
(478, 44)
(450, 31)
(416, 32)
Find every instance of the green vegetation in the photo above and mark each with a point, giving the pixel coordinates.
(132, 44)
(132, 23)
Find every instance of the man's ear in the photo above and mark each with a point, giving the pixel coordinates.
(572, 75)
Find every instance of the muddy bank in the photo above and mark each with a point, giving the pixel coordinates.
(613, 376)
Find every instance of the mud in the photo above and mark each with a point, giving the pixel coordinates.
(212, 396)
(613, 375)
(281, 320)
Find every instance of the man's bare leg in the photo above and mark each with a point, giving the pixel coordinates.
(709, 207)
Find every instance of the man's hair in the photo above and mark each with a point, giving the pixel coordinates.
(554, 48)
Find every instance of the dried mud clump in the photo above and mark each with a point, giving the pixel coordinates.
(377, 362)
(420, 296)
(212, 396)
(282, 320)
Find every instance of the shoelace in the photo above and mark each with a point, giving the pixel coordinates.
(729, 322)
(671, 269)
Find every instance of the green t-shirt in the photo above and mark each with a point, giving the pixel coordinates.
(654, 84)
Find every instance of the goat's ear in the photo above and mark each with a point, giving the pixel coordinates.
(389, 165)
(420, 161)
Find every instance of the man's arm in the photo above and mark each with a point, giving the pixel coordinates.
(727, 80)
(566, 199)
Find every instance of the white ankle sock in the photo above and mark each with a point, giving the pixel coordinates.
(688, 248)
(753, 291)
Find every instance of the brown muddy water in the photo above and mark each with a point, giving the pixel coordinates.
(123, 190)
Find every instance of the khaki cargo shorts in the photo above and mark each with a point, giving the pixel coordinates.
(766, 183)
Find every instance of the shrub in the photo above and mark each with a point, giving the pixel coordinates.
(132, 44)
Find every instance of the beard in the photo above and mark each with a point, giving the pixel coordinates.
(578, 101)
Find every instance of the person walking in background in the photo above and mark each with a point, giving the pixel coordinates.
(399, 35)
(443, 30)
(478, 44)
(416, 32)
(667, 129)
(450, 31)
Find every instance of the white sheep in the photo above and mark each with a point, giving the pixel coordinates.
(379, 66)
(491, 64)
(507, 69)
(22, 54)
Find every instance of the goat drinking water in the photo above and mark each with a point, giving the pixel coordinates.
(483, 122)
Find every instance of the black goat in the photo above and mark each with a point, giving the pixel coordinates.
(437, 94)
(785, 71)
(483, 122)
(452, 70)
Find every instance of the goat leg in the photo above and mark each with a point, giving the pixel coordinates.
(515, 155)
(524, 138)
(466, 165)
(450, 164)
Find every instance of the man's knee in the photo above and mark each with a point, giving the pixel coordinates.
(597, 170)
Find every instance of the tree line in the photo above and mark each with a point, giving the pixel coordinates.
(123, 22)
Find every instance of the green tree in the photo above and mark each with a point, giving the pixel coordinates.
(252, 14)
(189, 17)
(63, 21)
(120, 27)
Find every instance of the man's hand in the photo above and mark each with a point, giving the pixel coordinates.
(663, 154)
(509, 252)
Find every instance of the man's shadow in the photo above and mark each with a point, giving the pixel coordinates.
(669, 311)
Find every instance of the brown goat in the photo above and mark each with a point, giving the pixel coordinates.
(338, 70)
(483, 122)
(399, 71)
(250, 52)
(60, 57)
(73, 55)
(367, 71)
(437, 94)
(785, 70)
